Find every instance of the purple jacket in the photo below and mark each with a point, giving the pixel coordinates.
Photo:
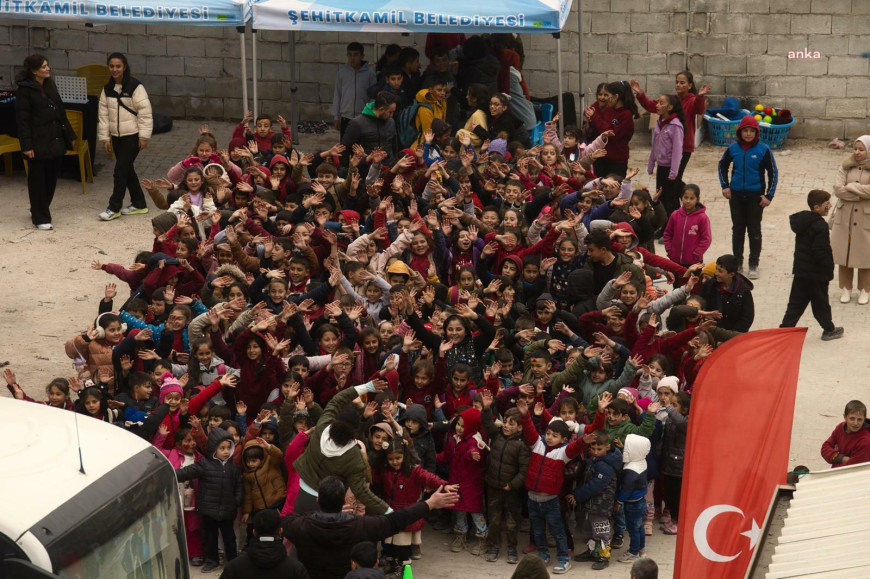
(667, 148)
(688, 235)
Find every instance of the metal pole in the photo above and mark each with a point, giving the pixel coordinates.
(580, 55)
(558, 37)
(294, 110)
(254, 74)
(244, 60)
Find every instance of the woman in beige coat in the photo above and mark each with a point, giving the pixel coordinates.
(850, 223)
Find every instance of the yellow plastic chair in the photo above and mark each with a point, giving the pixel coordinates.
(8, 145)
(97, 74)
(81, 148)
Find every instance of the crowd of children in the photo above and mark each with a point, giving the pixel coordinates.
(501, 309)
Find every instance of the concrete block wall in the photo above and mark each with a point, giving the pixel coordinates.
(741, 46)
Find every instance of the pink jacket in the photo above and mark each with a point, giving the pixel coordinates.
(688, 235)
(294, 451)
(667, 148)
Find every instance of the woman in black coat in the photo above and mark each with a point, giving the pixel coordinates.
(44, 132)
(502, 122)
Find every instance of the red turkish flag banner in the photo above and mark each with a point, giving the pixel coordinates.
(737, 450)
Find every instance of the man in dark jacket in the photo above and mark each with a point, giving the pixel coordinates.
(373, 129)
(813, 266)
(324, 540)
(266, 557)
(730, 293)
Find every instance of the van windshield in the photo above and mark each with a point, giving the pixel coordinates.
(127, 524)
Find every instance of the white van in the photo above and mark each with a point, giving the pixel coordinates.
(81, 498)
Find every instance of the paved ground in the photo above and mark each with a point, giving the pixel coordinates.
(50, 293)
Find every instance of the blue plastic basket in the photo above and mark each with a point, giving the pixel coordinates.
(774, 135)
(723, 133)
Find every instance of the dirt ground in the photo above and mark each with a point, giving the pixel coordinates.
(50, 293)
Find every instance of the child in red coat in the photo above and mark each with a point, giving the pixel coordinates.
(850, 441)
(464, 453)
(403, 481)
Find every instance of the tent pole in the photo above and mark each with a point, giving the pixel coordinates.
(244, 60)
(294, 110)
(254, 74)
(580, 54)
(558, 37)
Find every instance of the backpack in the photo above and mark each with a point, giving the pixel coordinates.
(406, 128)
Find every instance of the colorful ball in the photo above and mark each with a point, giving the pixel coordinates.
(759, 108)
(758, 117)
(767, 118)
(767, 110)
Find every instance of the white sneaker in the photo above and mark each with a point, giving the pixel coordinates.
(109, 215)
(863, 298)
(44, 226)
(132, 210)
(847, 296)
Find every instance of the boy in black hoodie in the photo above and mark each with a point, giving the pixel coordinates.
(813, 266)
(266, 557)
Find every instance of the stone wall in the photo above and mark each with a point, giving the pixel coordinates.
(741, 46)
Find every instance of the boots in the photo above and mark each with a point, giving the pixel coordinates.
(458, 544)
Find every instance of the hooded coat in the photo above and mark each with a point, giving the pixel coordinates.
(633, 479)
(219, 493)
(598, 491)
(850, 222)
(688, 235)
(265, 486)
(424, 442)
(508, 458)
(42, 124)
(371, 132)
(464, 470)
(674, 443)
(813, 257)
(751, 162)
(265, 558)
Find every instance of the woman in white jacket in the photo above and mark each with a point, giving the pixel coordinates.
(125, 127)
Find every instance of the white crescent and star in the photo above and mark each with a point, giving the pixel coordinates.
(702, 524)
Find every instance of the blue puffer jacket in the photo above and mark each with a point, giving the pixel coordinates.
(598, 491)
(751, 162)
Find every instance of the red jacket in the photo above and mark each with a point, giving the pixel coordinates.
(693, 105)
(424, 396)
(464, 470)
(402, 491)
(688, 235)
(672, 346)
(621, 122)
(547, 465)
(592, 322)
(256, 382)
(856, 446)
(173, 421)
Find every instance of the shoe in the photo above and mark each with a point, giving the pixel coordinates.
(530, 548)
(666, 517)
(478, 548)
(209, 567)
(833, 334)
(561, 567)
(544, 557)
(863, 297)
(416, 552)
(642, 554)
(109, 215)
(740, 268)
(586, 556)
(753, 272)
(601, 563)
(847, 295)
(670, 528)
(131, 210)
(512, 556)
(44, 226)
(458, 544)
(617, 542)
(647, 528)
(491, 555)
(197, 561)
(628, 557)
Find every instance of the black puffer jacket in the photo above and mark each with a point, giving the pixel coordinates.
(42, 124)
(219, 493)
(265, 560)
(674, 443)
(735, 303)
(813, 257)
(598, 491)
(424, 443)
(508, 457)
(371, 133)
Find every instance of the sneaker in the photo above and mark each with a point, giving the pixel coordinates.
(740, 268)
(670, 528)
(846, 297)
(833, 334)
(642, 554)
(458, 544)
(545, 557)
(863, 298)
(197, 561)
(44, 226)
(753, 272)
(561, 567)
(109, 215)
(512, 557)
(209, 567)
(585, 556)
(131, 210)
(416, 552)
(617, 541)
(491, 555)
(530, 548)
(666, 517)
(628, 557)
(601, 563)
(477, 550)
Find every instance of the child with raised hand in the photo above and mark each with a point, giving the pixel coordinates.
(618, 418)
(688, 233)
(218, 495)
(403, 481)
(506, 467)
(262, 134)
(667, 149)
(185, 454)
(95, 346)
(57, 391)
(549, 454)
(204, 152)
(849, 443)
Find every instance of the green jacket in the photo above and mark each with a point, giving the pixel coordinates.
(567, 377)
(588, 393)
(313, 466)
(627, 427)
